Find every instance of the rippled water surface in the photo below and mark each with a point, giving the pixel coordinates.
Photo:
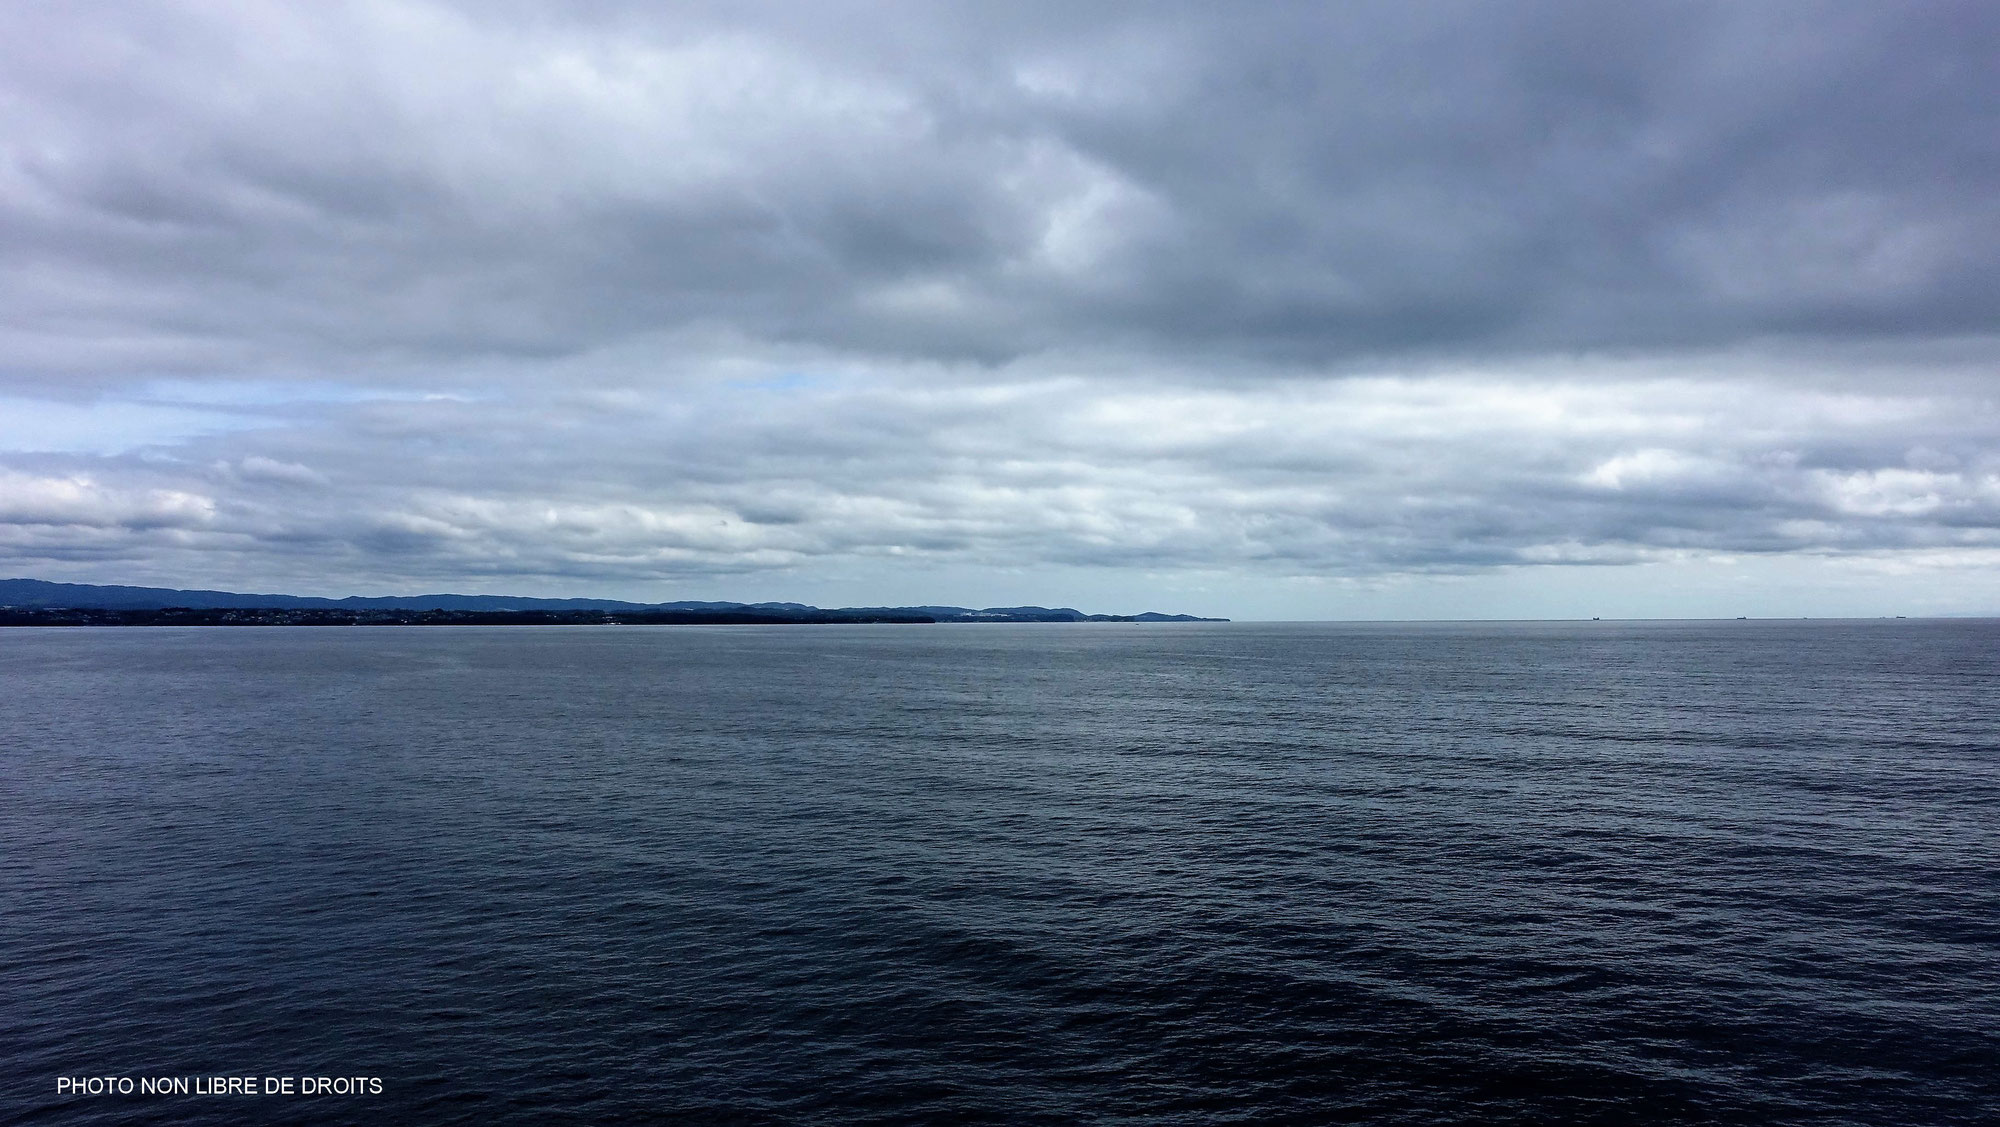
(1590, 872)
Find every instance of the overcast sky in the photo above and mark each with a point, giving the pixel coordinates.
(1497, 309)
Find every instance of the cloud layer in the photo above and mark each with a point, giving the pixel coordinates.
(1440, 475)
(574, 295)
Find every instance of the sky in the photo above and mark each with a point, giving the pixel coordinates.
(1505, 309)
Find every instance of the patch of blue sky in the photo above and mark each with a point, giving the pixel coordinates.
(107, 426)
(170, 412)
(252, 395)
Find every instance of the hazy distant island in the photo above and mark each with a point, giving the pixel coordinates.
(35, 602)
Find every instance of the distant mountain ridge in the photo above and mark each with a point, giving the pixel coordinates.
(38, 594)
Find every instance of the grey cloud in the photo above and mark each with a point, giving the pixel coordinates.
(286, 189)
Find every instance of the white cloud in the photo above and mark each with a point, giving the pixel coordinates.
(85, 503)
(256, 467)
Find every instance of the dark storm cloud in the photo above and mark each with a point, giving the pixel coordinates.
(283, 188)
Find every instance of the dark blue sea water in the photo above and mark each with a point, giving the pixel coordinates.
(1733, 872)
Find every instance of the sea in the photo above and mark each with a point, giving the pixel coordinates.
(1579, 872)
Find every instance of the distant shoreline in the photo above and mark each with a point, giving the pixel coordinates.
(293, 616)
(290, 616)
(36, 602)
